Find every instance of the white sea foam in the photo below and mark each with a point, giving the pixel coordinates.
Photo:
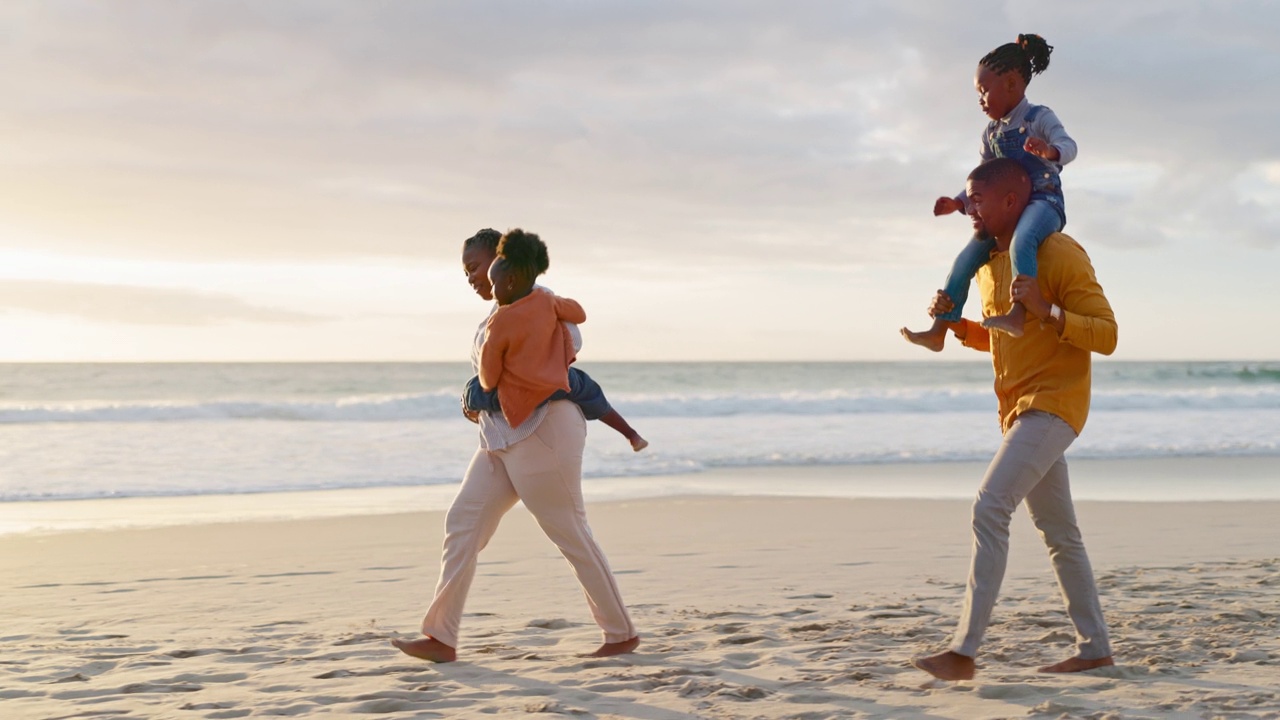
(444, 404)
(109, 431)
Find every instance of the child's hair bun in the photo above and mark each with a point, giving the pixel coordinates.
(1037, 51)
(524, 250)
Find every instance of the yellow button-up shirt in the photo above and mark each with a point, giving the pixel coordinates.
(1040, 370)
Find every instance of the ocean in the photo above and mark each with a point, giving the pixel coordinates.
(76, 431)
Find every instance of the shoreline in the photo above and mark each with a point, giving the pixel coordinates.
(1141, 480)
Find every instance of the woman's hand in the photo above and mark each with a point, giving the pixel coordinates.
(946, 206)
(1040, 148)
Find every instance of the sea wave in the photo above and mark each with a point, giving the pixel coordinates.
(444, 405)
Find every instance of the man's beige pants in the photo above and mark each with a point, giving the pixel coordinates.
(545, 472)
(1029, 465)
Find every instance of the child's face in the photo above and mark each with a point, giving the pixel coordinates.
(998, 94)
(505, 283)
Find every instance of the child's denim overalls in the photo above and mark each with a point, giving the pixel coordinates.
(1045, 213)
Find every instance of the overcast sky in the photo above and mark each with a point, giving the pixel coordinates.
(719, 180)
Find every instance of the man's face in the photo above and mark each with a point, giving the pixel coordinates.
(475, 263)
(997, 94)
(990, 209)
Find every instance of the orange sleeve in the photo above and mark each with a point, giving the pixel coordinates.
(976, 336)
(569, 310)
(1089, 322)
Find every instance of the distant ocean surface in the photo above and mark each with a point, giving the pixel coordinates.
(122, 430)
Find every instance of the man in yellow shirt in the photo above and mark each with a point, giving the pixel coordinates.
(1042, 381)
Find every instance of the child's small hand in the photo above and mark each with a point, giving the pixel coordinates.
(946, 206)
(1040, 148)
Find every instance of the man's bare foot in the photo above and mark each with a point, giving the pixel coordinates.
(932, 339)
(1076, 664)
(617, 648)
(427, 648)
(947, 666)
(1010, 323)
(638, 443)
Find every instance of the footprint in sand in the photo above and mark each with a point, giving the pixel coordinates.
(551, 624)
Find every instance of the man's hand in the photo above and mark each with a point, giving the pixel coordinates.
(1026, 290)
(946, 206)
(941, 304)
(1040, 148)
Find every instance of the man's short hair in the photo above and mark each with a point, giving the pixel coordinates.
(1002, 173)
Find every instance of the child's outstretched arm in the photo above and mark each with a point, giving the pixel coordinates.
(1050, 140)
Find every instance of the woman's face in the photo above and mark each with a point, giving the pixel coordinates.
(476, 260)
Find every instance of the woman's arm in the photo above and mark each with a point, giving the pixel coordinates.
(493, 353)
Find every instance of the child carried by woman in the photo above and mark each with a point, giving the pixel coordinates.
(527, 352)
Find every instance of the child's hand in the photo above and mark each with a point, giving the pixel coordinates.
(1040, 148)
(946, 206)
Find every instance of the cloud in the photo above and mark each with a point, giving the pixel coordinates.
(731, 133)
(137, 305)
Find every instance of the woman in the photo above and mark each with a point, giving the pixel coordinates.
(538, 462)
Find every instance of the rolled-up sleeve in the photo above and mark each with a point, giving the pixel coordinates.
(1048, 126)
(1089, 322)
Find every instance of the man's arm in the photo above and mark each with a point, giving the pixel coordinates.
(972, 335)
(969, 333)
(1087, 320)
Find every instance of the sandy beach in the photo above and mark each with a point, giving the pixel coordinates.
(749, 607)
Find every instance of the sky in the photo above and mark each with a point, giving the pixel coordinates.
(292, 180)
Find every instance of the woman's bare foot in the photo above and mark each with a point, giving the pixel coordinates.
(1010, 323)
(427, 648)
(935, 338)
(1076, 664)
(617, 648)
(947, 666)
(638, 443)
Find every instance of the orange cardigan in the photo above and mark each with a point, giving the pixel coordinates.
(527, 351)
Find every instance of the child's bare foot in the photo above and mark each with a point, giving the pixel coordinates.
(617, 648)
(1011, 323)
(1075, 664)
(638, 443)
(427, 648)
(947, 666)
(932, 339)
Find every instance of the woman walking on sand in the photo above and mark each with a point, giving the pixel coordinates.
(538, 461)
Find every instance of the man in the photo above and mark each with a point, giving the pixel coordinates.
(1042, 383)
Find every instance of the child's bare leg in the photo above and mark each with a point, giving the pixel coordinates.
(615, 420)
(1010, 322)
(932, 339)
